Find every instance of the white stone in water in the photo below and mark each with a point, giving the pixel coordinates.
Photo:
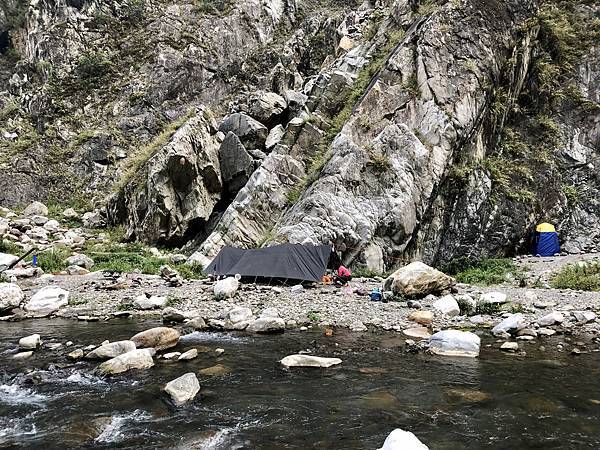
(455, 343)
(550, 319)
(219, 351)
(30, 342)
(266, 325)
(512, 323)
(190, 354)
(23, 355)
(509, 347)
(309, 361)
(402, 440)
(417, 332)
(447, 305)
(136, 359)
(111, 350)
(183, 389)
(171, 355)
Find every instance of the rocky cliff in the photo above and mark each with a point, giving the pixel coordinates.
(396, 130)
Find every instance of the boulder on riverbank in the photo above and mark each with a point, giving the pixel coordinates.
(265, 325)
(511, 324)
(11, 296)
(47, 300)
(183, 389)
(159, 338)
(308, 361)
(135, 359)
(402, 440)
(455, 343)
(446, 306)
(111, 350)
(417, 280)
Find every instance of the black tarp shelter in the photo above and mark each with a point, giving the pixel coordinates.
(286, 261)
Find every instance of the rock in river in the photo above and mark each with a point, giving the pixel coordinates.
(30, 342)
(455, 343)
(417, 279)
(403, 440)
(11, 296)
(509, 347)
(417, 332)
(111, 350)
(550, 319)
(309, 361)
(135, 359)
(267, 325)
(47, 300)
(183, 389)
(511, 324)
(190, 354)
(159, 338)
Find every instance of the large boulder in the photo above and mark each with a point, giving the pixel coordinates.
(135, 359)
(309, 361)
(511, 324)
(11, 296)
(30, 342)
(35, 209)
(252, 133)
(553, 318)
(267, 325)
(236, 163)
(183, 389)
(455, 343)
(402, 440)
(417, 280)
(6, 259)
(447, 306)
(111, 350)
(149, 302)
(47, 301)
(266, 106)
(239, 314)
(80, 260)
(159, 338)
(227, 287)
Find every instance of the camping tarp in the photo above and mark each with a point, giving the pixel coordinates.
(287, 261)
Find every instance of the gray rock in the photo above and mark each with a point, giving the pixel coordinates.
(111, 350)
(269, 313)
(274, 137)
(266, 106)
(455, 343)
(417, 279)
(47, 300)
(267, 325)
(23, 355)
(190, 354)
(511, 324)
(583, 316)
(11, 296)
(227, 287)
(135, 359)
(309, 361)
(239, 314)
(70, 213)
(509, 347)
(80, 260)
(170, 314)
(30, 342)
(93, 219)
(252, 133)
(493, 298)
(7, 259)
(551, 319)
(35, 208)
(152, 302)
(76, 354)
(159, 338)
(197, 323)
(236, 163)
(183, 389)
(77, 270)
(447, 306)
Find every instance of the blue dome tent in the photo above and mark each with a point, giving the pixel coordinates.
(545, 242)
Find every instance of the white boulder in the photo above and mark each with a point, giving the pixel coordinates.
(239, 314)
(135, 359)
(183, 389)
(417, 279)
(267, 325)
(455, 343)
(11, 296)
(152, 302)
(493, 298)
(190, 354)
(80, 260)
(30, 342)
(550, 319)
(111, 350)
(447, 305)
(47, 301)
(511, 324)
(227, 287)
(402, 440)
(6, 259)
(309, 361)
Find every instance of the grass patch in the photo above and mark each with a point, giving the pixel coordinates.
(483, 272)
(76, 301)
(365, 272)
(10, 247)
(584, 277)
(313, 316)
(194, 271)
(53, 261)
(488, 308)
(173, 301)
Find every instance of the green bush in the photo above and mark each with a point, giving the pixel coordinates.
(585, 277)
(480, 271)
(364, 272)
(194, 271)
(93, 65)
(10, 247)
(53, 261)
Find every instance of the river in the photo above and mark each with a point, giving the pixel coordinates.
(544, 400)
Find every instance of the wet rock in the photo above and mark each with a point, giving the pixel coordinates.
(421, 317)
(418, 279)
(551, 319)
(170, 314)
(171, 355)
(111, 350)
(227, 287)
(219, 351)
(455, 343)
(47, 301)
(493, 298)
(309, 361)
(216, 370)
(190, 354)
(23, 355)
(183, 389)
(545, 331)
(509, 347)
(267, 325)
(11, 296)
(402, 440)
(511, 324)
(582, 317)
(145, 301)
(80, 260)
(468, 395)
(239, 314)
(35, 209)
(159, 338)
(417, 332)
(447, 306)
(135, 359)
(197, 323)
(30, 342)
(76, 354)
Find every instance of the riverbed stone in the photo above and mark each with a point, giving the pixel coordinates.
(23, 355)
(135, 359)
(417, 279)
(197, 323)
(30, 342)
(545, 331)
(447, 306)
(171, 355)
(183, 389)
(553, 318)
(159, 338)
(170, 314)
(455, 343)
(421, 317)
(239, 314)
(47, 300)
(216, 370)
(582, 317)
(402, 440)
(77, 270)
(149, 302)
(417, 332)
(11, 296)
(269, 313)
(309, 361)
(493, 298)
(76, 354)
(81, 260)
(111, 350)
(190, 354)
(511, 324)
(227, 287)
(267, 325)
(509, 347)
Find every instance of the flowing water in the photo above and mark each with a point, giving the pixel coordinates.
(545, 400)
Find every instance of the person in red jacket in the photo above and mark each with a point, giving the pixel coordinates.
(343, 276)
